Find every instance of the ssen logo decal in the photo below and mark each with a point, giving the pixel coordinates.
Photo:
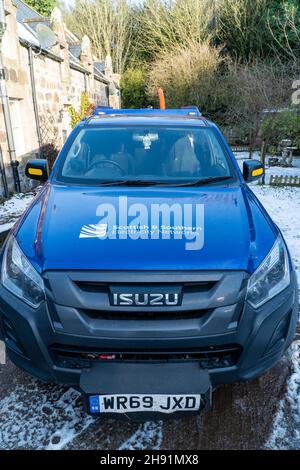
(138, 221)
(93, 231)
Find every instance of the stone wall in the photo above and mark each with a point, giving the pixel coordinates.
(59, 83)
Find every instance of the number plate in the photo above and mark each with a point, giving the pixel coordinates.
(143, 403)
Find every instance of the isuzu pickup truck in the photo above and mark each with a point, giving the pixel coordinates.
(146, 273)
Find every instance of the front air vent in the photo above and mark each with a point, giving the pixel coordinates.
(211, 357)
(153, 315)
(95, 287)
(105, 288)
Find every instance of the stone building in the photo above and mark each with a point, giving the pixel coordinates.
(41, 85)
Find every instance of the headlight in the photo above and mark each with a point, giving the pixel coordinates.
(20, 277)
(271, 277)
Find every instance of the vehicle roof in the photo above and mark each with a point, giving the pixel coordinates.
(132, 120)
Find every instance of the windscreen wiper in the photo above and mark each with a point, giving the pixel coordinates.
(203, 181)
(129, 183)
(139, 182)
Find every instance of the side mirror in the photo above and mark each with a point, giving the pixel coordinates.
(37, 169)
(252, 170)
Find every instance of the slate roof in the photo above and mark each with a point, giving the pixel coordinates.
(75, 50)
(100, 66)
(25, 12)
(27, 31)
(99, 70)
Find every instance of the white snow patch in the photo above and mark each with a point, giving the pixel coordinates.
(283, 205)
(278, 170)
(148, 436)
(6, 227)
(245, 155)
(13, 208)
(286, 427)
(39, 416)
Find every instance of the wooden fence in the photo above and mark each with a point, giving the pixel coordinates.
(284, 180)
(240, 148)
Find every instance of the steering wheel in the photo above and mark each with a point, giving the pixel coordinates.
(110, 162)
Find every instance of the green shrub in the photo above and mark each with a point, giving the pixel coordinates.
(189, 75)
(44, 7)
(280, 125)
(86, 109)
(134, 88)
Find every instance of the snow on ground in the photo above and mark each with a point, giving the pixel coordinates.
(11, 209)
(256, 156)
(283, 205)
(148, 436)
(36, 416)
(285, 434)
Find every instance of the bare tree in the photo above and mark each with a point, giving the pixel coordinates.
(165, 24)
(285, 31)
(261, 87)
(108, 24)
(242, 27)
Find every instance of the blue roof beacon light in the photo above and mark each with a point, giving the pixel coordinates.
(187, 111)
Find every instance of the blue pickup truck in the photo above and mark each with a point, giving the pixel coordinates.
(146, 273)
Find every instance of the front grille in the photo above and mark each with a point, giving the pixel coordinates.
(156, 314)
(82, 303)
(211, 357)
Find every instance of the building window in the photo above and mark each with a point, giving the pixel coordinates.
(16, 122)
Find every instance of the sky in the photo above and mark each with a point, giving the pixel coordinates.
(68, 2)
(71, 2)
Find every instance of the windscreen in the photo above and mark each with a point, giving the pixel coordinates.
(147, 154)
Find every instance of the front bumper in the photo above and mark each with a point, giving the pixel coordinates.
(259, 338)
